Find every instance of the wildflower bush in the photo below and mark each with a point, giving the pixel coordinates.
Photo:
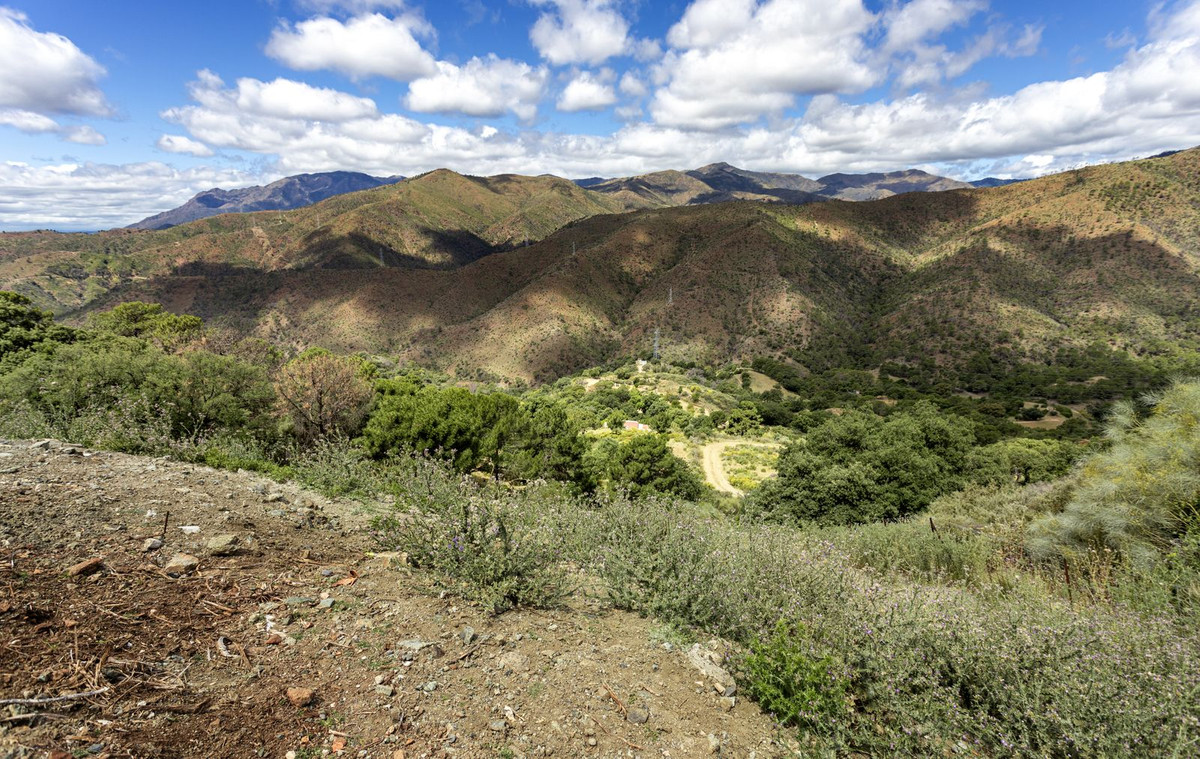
(485, 544)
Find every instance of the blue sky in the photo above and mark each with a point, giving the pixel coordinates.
(112, 111)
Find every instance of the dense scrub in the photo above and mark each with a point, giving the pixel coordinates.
(1001, 599)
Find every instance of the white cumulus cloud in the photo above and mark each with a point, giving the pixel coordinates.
(90, 196)
(28, 121)
(733, 62)
(44, 72)
(580, 31)
(285, 98)
(370, 44)
(84, 135)
(177, 143)
(488, 87)
(588, 92)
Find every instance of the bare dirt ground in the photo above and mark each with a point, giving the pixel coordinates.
(302, 642)
(714, 470)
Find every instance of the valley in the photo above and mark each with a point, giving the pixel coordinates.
(535, 430)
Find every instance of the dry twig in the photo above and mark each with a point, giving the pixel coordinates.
(51, 699)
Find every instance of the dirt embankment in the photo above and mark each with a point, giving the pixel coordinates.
(293, 639)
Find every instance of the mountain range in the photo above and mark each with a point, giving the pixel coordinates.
(716, 183)
(284, 195)
(529, 278)
(720, 183)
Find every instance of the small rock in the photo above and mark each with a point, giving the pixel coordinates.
(430, 686)
(275, 497)
(190, 529)
(638, 716)
(88, 567)
(467, 635)
(714, 744)
(393, 558)
(728, 702)
(414, 644)
(512, 660)
(41, 445)
(298, 601)
(497, 726)
(223, 545)
(300, 696)
(591, 742)
(151, 544)
(385, 690)
(702, 660)
(181, 564)
(326, 603)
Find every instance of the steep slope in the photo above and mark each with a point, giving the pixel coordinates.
(283, 195)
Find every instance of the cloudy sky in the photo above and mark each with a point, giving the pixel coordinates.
(112, 111)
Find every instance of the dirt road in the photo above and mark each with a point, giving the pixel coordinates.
(714, 468)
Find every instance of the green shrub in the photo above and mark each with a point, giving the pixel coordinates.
(787, 680)
(863, 468)
(1021, 461)
(487, 546)
(644, 466)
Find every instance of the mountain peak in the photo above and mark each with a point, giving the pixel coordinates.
(284, 194)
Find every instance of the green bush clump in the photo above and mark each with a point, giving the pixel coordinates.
(860, 467)
(488, 546)
(643, 466)
(491, 432)
(787, 680)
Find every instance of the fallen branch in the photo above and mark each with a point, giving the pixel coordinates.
(51, 699)
(613, 696)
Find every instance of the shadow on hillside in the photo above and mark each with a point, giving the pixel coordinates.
(210, 269)
(441, 249)
(1113, 285)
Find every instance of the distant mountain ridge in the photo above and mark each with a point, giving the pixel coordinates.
(530, 278)
(283, 195)
(721, 182)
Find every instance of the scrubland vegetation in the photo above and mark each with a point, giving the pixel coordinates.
(924, 577)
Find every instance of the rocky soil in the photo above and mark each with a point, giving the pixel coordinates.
(150, 608)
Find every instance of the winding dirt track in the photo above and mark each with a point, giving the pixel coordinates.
(714, 469)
